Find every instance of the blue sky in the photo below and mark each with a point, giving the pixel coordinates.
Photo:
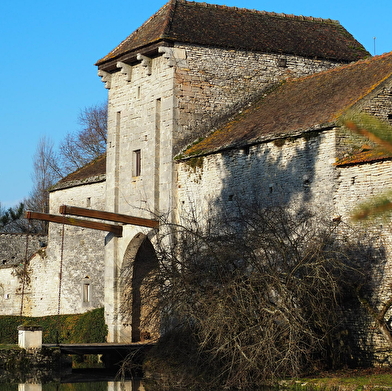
(48, 50)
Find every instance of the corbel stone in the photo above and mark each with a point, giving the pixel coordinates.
(168, 55)
(125, 70)
(146, 62)
(173, 55)
(106, 77)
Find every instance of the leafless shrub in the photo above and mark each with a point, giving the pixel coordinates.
(254, 297)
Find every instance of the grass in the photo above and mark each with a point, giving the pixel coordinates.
(8, 346)
(373, 379)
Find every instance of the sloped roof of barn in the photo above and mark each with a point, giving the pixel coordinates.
(239, 28)
(92, 172)
(299, 105)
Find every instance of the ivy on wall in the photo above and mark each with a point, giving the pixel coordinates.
(89, 327)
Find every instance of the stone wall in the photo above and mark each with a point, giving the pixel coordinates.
(210, 83)
(356, 184)
(13, 247)
(77, 253)
(294, 173)
(13, 257)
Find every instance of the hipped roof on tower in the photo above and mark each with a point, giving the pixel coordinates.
(238, 28)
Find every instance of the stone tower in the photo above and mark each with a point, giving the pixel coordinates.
(185, 71)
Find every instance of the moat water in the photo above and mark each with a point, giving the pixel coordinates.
(78, 380)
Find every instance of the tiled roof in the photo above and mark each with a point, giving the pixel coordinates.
(92, 172)
(371, 155)
(299, 105)
(239, 28)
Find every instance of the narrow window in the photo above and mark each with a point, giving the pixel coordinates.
(137, 163)
(86, 293)
(88, 203)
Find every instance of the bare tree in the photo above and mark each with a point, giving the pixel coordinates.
(255, 296)
(76, 150)
(45, 174)
(81, 147)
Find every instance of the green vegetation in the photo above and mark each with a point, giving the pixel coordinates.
(8, 346)
(349, 380)
(89, 327)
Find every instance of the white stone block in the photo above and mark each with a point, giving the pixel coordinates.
(29, 387)
(30, 337)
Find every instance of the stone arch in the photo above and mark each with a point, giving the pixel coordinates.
(139, 262)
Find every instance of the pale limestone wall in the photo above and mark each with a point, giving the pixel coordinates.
(211, 82)
(356, 184)
(13, 247)
(174, 99)
(132, 126)
(140, 117)
(10, 303)
(299, 172)
(13, 254)
(83, 256)
(16, 296)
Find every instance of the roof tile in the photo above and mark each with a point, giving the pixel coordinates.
(239, 28)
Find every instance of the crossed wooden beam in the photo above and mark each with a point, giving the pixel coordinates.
(95, 214)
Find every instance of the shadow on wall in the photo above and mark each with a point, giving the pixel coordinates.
(296, 176)
(274, 174)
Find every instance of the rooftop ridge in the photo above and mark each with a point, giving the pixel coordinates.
(261, 12)
(237, 28)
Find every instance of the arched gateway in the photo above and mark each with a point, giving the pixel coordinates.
(138, 265)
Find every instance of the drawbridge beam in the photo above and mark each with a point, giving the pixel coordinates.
(109, 216)
(115, 229)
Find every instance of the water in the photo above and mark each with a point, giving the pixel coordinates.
(127, 385)
(78, 380)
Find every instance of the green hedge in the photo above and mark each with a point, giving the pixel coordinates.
(89, 327)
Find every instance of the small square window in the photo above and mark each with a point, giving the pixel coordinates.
(137, 163)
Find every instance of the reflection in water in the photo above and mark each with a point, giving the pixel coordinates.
(128, 385)
(30, 387)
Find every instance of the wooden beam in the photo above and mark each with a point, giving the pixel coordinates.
(115, 229)
(98, 214)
